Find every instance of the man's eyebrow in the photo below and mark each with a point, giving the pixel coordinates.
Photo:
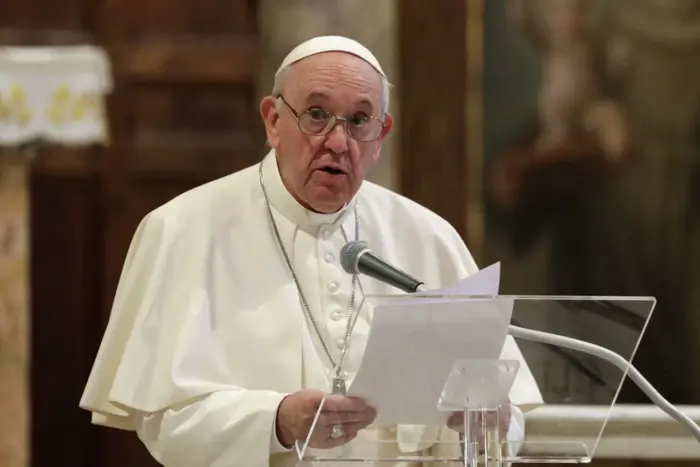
(366, 102)
(317, 95)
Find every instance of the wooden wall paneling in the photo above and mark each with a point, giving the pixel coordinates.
(183, 113)
(66, 221)
(32, 16)
(432, 89)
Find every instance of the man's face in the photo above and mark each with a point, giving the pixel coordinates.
(323, 172)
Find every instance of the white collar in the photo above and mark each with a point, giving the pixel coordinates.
(285, 204)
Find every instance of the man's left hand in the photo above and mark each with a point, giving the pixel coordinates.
(456, 421)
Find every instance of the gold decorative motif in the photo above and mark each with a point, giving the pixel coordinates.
(66, 106)
(14, 108)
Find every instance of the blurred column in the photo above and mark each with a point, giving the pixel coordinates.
(285, 24)
(14, 311)
(48, 95)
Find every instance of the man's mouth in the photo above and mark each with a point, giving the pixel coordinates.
(332, 170)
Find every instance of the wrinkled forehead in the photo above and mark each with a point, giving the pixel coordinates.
(335, 75)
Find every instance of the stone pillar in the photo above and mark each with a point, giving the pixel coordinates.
(285, 24)
(43, 91)
(14, 315)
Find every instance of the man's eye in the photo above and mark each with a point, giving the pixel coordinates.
(358, 120)
(318, 114)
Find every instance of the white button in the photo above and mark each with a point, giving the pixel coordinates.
(325, 233)
(337, 314)
(340, 342)
(328, 258)
(333, 287)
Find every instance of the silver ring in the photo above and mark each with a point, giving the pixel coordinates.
(337, 432)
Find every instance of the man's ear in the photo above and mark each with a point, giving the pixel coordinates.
(268, 110)
(388, 125)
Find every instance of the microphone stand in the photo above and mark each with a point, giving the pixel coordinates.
(615, 359)
(610, 357)
(351, 256)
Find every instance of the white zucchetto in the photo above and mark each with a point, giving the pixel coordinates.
(322, 44)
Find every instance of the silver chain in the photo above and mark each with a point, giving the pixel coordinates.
(302, 296)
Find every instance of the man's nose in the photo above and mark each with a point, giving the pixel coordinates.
(337, 139)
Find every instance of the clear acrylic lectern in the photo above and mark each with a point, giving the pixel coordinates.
(478, 384)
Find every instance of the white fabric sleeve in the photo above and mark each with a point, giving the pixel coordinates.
(225, 428)
(275, 446)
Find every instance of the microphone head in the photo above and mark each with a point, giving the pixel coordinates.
(350, 253)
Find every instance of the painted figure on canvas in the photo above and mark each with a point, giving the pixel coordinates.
(627, 225)
(570, 100)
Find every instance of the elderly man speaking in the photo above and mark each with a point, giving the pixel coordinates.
(232, 309)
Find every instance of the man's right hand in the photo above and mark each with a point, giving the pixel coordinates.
(297, 411)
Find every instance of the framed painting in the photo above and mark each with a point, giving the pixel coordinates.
(585, 151)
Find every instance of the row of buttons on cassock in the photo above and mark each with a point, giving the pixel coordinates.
(333, 287)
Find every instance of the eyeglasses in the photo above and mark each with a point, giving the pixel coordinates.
(317, 122)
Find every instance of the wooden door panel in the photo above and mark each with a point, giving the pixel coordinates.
(433, 123)
(191, 130)
(210, 59)
(205, 17)
(183, 112)
(66, 15)
(210, 109)
(197, 157)
(66, 303)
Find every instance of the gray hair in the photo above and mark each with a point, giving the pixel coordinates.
(281, 78)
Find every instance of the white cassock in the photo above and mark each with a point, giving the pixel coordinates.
(207, 333)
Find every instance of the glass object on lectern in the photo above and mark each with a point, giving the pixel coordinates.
(479, 390)
(450, 389)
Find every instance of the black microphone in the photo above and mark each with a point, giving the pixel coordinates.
(356, 258)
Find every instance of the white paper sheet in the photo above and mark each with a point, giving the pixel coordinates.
(414, 342)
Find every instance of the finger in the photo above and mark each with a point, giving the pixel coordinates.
(505, 426)
(480, 421)
(335, 403)
(505, 413)
(323, 439)
(338, 418)
(456, 419)
(330, 443)
(490, 420)
(352, 429)
(452, 425)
